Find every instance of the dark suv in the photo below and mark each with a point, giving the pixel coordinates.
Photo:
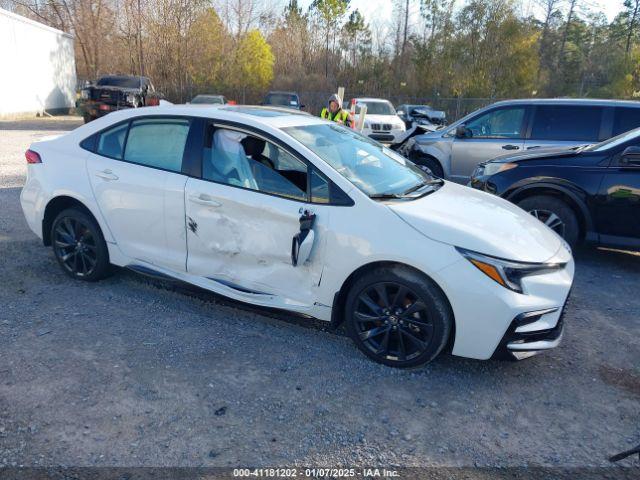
(590, 192)
(115, 92)
(283, 99)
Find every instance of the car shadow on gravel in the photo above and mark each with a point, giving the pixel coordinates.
(607, 258)
(446, 363)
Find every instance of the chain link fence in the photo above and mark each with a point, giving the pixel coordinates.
(455, 108)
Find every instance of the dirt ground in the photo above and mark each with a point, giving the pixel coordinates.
(129, 372)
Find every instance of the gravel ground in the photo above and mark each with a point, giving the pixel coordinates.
(130, 372)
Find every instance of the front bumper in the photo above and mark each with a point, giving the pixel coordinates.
(531, 333)
(482, 182)
(490, 319)
(384, 136)
(98, 109)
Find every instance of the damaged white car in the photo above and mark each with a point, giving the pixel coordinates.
(280, 209)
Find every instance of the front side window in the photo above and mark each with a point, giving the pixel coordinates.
(374, 169)
(626, 119)
(111, 142)
(632, 136)
(566, 122)
(502, 123)
(157, 142)
(241, 160)
(320, 188)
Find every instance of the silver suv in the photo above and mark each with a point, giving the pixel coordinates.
(515, 125)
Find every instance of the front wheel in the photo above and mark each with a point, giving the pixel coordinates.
(79, 246)
(398, 317)
(429, 162)
(555, 214)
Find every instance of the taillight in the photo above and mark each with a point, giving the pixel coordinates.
(32, 157)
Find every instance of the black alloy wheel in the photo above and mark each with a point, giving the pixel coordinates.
(79, 246)
(551, 220)
(402, 322)
(393, 322)
(556, 214)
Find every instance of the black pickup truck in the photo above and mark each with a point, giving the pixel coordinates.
(115, 92)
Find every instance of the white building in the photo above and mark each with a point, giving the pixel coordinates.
(37, 67)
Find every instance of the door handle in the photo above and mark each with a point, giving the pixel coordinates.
(204, 199)
(535, 146)
(510, 147)
(107, 175)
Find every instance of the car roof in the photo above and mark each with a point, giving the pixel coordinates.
(121, 76)
(250, 115)
(569, 101)
(281, 92)
(371, 99)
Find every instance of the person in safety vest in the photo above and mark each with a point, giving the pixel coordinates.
(334, 112)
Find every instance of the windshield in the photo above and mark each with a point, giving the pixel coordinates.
(613, 142)
(281, 99)
(374, 169)
(376, 108)
(208, 99)
(123, 82)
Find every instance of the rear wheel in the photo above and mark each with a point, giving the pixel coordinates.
(554, 213)
(398, 317)
(79, 246)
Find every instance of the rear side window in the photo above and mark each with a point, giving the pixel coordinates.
(566, 122)
(111, 141)
(157, 142)
(625, 119)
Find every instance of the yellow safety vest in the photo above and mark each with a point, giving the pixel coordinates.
(339, 116)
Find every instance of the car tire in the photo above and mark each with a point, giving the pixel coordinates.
(398, 317)
(79, 246)
(556, 214)
(429, 162)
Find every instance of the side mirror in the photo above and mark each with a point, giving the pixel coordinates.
(462, 131)
(631, 157)
(400, 113)
(302, 242)
(301, 248)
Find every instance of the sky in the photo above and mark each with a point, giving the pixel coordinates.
(380, 11)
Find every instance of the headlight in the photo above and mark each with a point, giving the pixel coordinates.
(398, 126)
(492, 168)
(84, 94)
(367, 124)
(505, 272)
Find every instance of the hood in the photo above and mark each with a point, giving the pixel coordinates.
(393, 119)
(425, 112)
(538, 153)
(112, 88)
(474, 220)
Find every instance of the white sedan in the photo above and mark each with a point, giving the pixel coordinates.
(281, 209)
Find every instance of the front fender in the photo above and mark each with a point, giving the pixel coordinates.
(439, 155)
(574, 192)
